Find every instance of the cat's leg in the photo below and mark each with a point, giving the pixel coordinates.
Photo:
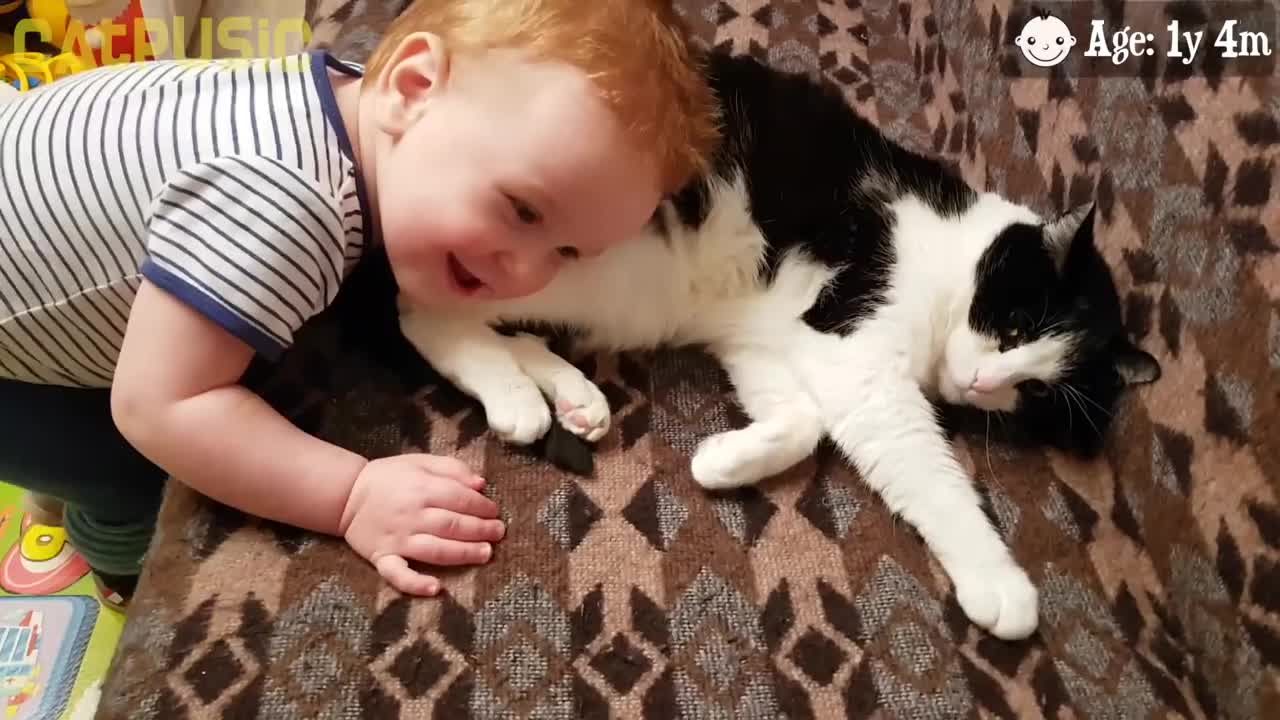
(579, 405)
(785, 429)
(888, 429)
(479, 361)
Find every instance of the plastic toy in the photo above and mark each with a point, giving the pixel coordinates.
(25, 71)
(77, 26)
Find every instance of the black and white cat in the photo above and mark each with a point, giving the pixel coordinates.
(843, 282)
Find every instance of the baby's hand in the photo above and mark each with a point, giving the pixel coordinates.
(419, 507)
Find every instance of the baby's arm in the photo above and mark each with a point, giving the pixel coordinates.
(177, 398)
(241, 251)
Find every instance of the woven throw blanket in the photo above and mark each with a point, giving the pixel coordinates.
(634, 594)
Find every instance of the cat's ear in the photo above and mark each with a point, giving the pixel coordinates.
(1134, 365)
(1061, 233)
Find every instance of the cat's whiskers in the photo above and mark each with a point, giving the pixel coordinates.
(1090, 400)
(991, 470)
(1066, 396)
(1080, 398)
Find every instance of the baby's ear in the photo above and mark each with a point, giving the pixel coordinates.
(1134, 365)
(414, 71)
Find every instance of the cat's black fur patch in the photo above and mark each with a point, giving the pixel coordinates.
(568, 451)
(807, 158)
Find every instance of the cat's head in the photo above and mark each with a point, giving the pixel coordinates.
(1043, 339)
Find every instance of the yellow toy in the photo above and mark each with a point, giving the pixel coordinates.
(24, 71)
(94, 27)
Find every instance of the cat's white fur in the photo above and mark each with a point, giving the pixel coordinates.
(867, 390)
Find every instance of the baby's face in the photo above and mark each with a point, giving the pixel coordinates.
(512, 171)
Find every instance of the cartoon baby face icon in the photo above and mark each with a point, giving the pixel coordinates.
(1045, 40)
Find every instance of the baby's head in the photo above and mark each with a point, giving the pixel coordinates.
(513, 136)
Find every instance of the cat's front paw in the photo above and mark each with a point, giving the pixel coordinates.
(581, 407)
(998, 597)
(518, 414)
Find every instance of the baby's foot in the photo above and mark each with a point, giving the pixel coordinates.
(43, 509)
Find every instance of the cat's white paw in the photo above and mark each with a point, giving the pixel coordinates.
(581, 407)
(727, 460)
(518, 413)
(998, 597)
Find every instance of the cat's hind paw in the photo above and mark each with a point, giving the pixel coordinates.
(726, 460)
(999, 598)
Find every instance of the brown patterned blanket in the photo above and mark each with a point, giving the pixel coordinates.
(634, 594)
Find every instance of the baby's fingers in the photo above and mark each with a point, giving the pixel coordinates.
(456, 526)
(443, 551)
(460, 499)
(396, 571)
(444, 466)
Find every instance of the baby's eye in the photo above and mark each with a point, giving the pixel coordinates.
(1062, 40)
(1031, 39)
(524, 211)
(570, 253)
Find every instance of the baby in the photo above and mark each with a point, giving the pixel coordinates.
(162, 223)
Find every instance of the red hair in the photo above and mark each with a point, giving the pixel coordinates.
(634, 51)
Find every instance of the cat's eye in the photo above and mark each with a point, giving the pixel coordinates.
(569, 253)
(1015, 330)
(1035, 388)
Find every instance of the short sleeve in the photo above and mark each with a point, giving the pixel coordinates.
(249, 242)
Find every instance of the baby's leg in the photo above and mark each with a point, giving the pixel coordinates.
(580, 406)
(785, 430)
(61, 442)
(480, 362)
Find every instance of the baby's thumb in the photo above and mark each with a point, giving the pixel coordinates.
(396, 571)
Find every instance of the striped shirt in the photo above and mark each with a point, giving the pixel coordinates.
(230, 184)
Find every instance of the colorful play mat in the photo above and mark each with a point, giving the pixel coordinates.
(56, 639)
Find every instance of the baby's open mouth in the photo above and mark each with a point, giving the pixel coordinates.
(466, 281)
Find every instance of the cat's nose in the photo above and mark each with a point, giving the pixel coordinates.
(984, 384)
